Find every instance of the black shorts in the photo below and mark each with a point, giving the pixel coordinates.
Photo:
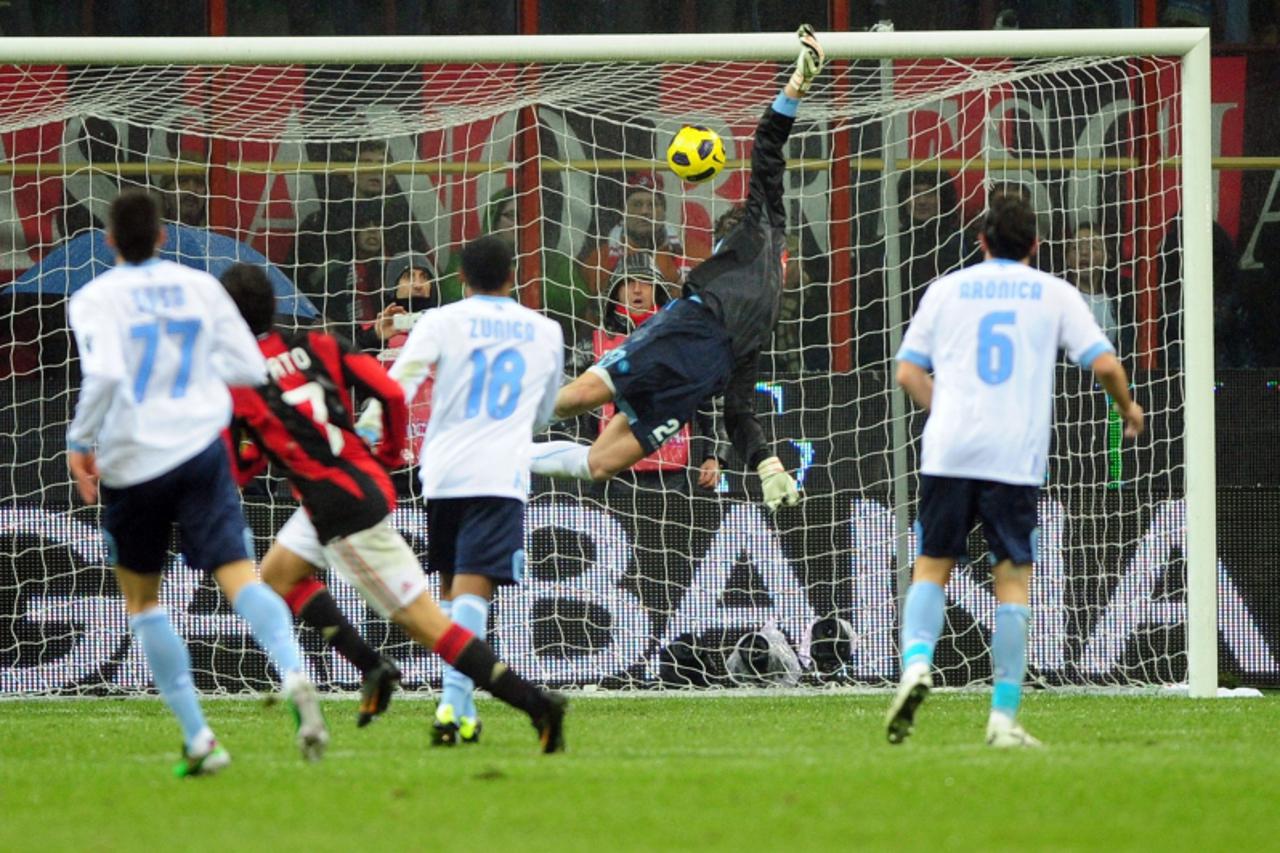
(476, 536)
(667, 368)
(949, 506)
(199, 496)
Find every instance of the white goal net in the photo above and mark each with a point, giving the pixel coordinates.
(341, 176)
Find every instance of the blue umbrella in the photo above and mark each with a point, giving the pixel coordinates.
(71, 266)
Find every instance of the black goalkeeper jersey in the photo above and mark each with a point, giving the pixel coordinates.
(741, 284)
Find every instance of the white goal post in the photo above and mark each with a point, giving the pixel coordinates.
(583, 54)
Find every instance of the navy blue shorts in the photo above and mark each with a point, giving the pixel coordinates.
(949, 506)
(667, 368)
(199, 496)
(476, 536)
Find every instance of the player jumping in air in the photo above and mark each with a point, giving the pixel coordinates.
(159, 343)
(707, 343)
(301, 419)
(990, 334)
(497, 366)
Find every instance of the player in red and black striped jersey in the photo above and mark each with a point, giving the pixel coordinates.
(301, 420)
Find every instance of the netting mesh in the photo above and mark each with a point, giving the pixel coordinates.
(341, 177)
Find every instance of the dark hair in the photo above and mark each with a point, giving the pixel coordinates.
(487, 264)
(135, 222)
(1010, 227)
(251, 292)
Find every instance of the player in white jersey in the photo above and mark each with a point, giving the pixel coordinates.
(990, 334)
(497, 368)
(158, 344)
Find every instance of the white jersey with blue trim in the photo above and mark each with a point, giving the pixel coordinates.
(498, 367)
(991, 334)
(159, 343)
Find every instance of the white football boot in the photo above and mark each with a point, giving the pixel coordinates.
(304, 702)
(204, 759)
(1004, 732)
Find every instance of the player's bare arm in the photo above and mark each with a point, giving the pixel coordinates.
(1111, 374)
(917, 382)
(84, 468)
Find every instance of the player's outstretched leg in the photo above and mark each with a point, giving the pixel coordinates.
(1008, 663)
(563, 459)
(616, 449)
(272, 627)
(922, 617)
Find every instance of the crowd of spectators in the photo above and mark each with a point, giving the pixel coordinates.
(366, 265)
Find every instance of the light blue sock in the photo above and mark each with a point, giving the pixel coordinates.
(450, 692)
(171, 666)
(272, 626)
(922, 616)
(1009, 657)
(472, 613)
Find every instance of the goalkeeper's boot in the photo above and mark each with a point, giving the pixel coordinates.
(445, 727)
(205, 763)
(304, 703)
(912, 690)
(550, 721)
(375, 693)
(469, 729)
(1004, 732)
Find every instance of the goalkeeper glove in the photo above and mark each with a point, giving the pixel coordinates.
(809, 62)
(778, 486)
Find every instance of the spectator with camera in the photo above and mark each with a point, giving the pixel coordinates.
(411, 285)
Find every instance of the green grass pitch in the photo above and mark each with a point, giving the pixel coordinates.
(657, 773)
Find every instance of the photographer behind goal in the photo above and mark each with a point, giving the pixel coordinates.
(411, 281)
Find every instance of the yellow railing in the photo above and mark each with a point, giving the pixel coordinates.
(436, 167)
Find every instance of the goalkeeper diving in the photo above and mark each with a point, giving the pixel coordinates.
(707, 343)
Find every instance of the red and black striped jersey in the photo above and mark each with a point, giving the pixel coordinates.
(302, 421)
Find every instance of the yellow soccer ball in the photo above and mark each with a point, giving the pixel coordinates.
(696, 154)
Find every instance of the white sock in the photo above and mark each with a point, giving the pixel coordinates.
(566, 459)
(202, 742)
